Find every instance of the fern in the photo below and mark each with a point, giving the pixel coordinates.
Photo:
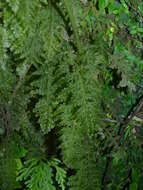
(38, 175)
(70, 82)
(44, 85)
(76, 113)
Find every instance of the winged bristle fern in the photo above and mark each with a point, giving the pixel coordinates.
(70, 84)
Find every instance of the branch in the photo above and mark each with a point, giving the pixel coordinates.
(106, 171)
(122, 127)
(130, 115)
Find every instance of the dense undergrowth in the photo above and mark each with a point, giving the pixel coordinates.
(71, 95)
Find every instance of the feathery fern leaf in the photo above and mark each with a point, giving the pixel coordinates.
(38, 174)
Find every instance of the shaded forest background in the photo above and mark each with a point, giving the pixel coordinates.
(71, 94)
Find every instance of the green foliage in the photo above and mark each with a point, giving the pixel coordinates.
(70, 83)
(38, 174)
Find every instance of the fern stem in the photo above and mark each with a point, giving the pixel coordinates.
(73, 23)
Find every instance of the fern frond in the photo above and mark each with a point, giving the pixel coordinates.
(51, 35)
(80, 113)
(38, 174)
(45, 105)
(60, 173)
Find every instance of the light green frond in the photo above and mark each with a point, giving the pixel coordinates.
(38, 174)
